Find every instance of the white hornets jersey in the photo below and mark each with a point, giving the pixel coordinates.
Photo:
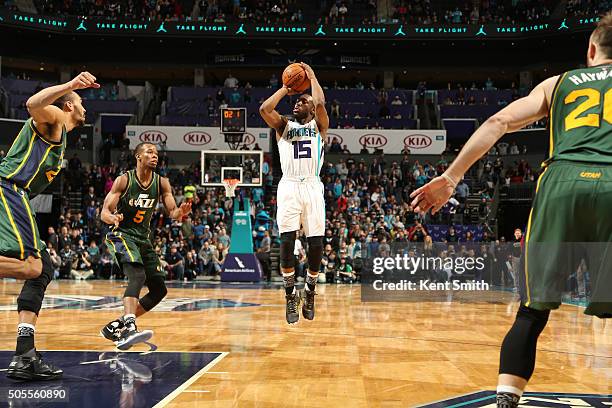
(301, 150)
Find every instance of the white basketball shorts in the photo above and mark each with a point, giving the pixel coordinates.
(300, 202)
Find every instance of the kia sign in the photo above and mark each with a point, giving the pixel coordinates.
(180, 138)
(197, 138)
(153, 136)
(248, 139)
(373, 141)
(332, 136)
(417, 141)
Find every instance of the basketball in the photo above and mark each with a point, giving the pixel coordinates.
(294, 77)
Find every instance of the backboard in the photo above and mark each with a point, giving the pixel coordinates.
(245, 165)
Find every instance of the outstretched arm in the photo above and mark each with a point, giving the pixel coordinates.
(109, 208)
(169, 202)
(515, 116)
(40, 104)
(318, 98)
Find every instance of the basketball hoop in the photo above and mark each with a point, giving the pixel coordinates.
(230, 186)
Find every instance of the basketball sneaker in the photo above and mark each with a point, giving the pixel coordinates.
(30, 366)
(507, 400)
(112, 331)
(308, 307)
(130, 336)
(293, 303)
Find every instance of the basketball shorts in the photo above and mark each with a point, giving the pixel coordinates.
(126, 249)
(300, 202)
(19, 236)
(569, 226)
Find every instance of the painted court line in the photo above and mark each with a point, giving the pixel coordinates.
(190, 381)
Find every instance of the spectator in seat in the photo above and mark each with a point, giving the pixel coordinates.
(344, 272)
(176, 266)
(191, 266)
(230, 81)
(397, 101)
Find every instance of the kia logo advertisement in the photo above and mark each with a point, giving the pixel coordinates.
(197, 138)
(153, 136)
(248, 139)
(337, 137)
(417, 141)
(373, 140)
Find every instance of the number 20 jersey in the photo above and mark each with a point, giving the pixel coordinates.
(301, 150)
(580, 117)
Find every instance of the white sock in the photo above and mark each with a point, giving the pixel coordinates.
(510, 389)
(129, 316)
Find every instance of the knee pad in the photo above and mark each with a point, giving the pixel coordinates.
(157, 292)
(31, 297)
(136, 279)
(287, 246)
(315, 253)
(518, 353)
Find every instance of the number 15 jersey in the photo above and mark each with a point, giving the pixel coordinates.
(301, 150)
(580, 117)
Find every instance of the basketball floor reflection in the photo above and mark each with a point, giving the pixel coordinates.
(111, 379)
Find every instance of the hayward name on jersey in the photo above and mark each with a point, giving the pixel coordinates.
(581, 116)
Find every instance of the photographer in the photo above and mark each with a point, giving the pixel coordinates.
(56, 260)
(67, 255)
(81, 267)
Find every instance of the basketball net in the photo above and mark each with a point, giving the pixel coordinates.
(230, 186)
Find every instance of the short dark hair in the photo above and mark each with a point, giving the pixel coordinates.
(602, 35)
(61, 101)
(141, 146)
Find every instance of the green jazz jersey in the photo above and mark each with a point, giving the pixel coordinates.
(137, 204)
(581, 116)
(33, 162)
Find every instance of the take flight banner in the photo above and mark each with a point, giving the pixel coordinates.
(191, 28)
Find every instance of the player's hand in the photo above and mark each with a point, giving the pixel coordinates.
(84, 80)
(290, 91)
(116, 219)
(432, 195)
(185, 208)
(309, 71)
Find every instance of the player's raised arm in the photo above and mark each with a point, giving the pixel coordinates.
(111, 201)
(169, 202)
(513, 117)
(318, 98)
(268, 112)
(40, 104)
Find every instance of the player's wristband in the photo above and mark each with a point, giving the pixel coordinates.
(448, 178)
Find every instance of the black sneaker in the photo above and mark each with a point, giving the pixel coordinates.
(507, 400)
(30, 366)
(112, 331)
(130, 336)
(293, 303)
(308, 307)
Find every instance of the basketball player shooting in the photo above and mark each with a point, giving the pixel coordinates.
(572, 202)
(300, 199)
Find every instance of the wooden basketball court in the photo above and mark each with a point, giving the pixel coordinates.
(353, 354)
